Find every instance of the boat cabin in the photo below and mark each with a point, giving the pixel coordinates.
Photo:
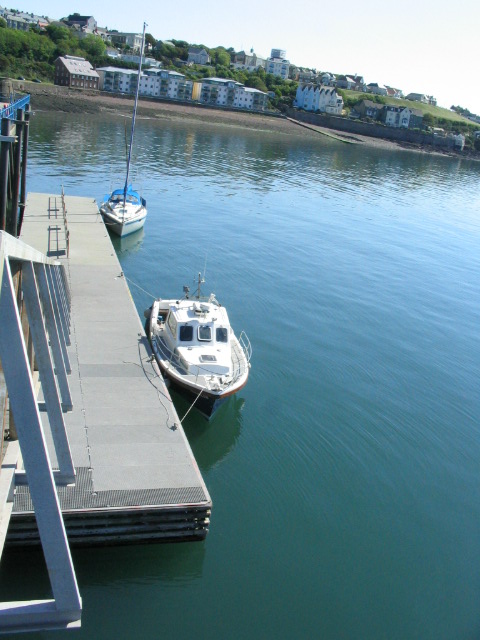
(199, 333)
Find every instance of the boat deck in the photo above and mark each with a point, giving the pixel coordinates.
(137, 479)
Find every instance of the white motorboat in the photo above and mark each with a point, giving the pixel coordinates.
(197, 349)
(124, 210)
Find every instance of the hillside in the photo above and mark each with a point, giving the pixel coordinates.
(439, 113)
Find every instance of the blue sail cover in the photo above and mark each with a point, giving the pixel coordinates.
(131, 196)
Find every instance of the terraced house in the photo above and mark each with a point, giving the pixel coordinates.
(312, 97)
(229, 93)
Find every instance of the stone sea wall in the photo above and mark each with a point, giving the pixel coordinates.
(362, 128)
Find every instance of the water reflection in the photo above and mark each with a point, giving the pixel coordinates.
(128, 245)
(213, 440)
(95, 146)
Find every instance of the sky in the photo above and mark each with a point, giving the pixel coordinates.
(418, 46)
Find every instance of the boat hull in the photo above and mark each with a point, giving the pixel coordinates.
(125, 227)
(204, 401)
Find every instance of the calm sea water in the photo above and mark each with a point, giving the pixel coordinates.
(345, 477)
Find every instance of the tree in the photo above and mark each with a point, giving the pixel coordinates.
(257, 83)
(220, 57)
(428, 120)
(150, 40)
(94, 48)
(3, 23)
(58, 34)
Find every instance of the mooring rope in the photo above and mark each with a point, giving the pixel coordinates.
(191, 407)
(138, 286)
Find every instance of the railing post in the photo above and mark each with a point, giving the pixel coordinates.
(17, 163)
(4, 154)
(47, 376)
(23, 183)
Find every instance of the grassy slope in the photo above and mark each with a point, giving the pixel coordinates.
(436, 112)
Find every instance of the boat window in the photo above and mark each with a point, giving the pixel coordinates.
(222, 334)
(207, 358)
(186, 333)
(172, 324)
(205, 332)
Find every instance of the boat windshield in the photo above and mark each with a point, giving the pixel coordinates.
(204, 333)
(221, 334)
(186, 333)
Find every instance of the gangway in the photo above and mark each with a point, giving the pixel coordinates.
(35, 286)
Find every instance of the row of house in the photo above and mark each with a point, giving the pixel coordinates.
(324, 99)
(277, 64)
(76, 72)
(391, 115)
(22, 21)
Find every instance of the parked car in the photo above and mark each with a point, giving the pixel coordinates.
(36, 80)
(20, 78)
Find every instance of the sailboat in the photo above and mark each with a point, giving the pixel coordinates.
(124, 210)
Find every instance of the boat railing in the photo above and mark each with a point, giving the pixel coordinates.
(167, 354)
(246, 345)
(175, 360)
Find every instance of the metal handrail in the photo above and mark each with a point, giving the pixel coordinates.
(67, 232)
(42, 284)
(10, 111)
(174, 358)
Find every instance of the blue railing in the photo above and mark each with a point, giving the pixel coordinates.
(10, 110)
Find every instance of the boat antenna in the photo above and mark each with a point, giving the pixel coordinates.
(205, 268)
(134, 115)
(199, 286)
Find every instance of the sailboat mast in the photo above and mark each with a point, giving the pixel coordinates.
(134, 115)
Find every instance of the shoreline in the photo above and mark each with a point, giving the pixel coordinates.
(55, 98)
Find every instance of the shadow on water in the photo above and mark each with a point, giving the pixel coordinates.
(24, 575)
(211, 440)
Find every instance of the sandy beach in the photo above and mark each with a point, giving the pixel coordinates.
(50, 97)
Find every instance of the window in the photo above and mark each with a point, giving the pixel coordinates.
(186, 333)
(222, 334)
(204, 332)
(172, 324)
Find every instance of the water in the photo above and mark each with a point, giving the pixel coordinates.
(345, 477)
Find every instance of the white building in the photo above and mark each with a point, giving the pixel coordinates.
(146, 62)
(163, 83)
(132, 40)
(248, 61)
(117, 80)
(229, 93)
(311, 97)
(397, 116)
(278, 67)
(154, 83)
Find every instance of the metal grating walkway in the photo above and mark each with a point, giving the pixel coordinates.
(130, 453)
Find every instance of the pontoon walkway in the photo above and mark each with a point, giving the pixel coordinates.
(136, 477)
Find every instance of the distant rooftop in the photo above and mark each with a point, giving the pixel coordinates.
(75, 64)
